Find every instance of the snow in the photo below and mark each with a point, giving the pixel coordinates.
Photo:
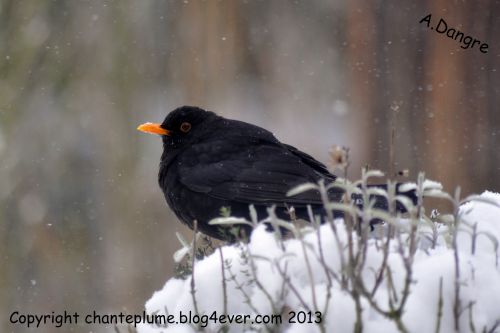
(479, 280)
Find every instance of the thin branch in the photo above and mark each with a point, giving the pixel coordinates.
(440, 306)
(286, 279)
(224, 285)
(193, 258)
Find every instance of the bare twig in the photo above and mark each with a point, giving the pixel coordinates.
(322, 261)
(392, 142)
(440, 307)
(472, 327)
(309, 270)
(286, 279)
(474, 238)
(259, 284)
(193, 258)
(324, 197)
(380, 275)
(224, 285)
(457, 304)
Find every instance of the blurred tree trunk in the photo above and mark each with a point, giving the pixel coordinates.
(445, 118)
(211, 47)
(482, 96)
(361, 36)
(492, 91)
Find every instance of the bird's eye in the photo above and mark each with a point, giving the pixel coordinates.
(185, 127)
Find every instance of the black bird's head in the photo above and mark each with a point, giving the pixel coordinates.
(180, 127)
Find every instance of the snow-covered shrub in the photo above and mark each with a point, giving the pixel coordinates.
(418, 273)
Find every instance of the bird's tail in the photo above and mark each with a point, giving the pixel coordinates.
(381, 201)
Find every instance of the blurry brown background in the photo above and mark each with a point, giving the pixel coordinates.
(83, 224)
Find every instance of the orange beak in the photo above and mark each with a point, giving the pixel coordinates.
(152, 128)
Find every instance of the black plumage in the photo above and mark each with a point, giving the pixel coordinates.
(210, 162)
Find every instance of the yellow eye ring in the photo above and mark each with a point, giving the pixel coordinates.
(185, 127)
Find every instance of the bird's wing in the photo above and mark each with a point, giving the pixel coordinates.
(312, 162)
(250, 171)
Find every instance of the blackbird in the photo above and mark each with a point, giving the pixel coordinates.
(210, 162)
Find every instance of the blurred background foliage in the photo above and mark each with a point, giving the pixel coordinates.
(83, 224)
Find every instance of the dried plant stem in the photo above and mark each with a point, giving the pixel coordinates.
(309, 271)
(286, 279)
(392, 142)
(239, 286)
(474, 239)
(330, 218)
(193, 258)
(493, 328)
(259, 285)
(311, 277)
(380, 275)
(408, 264)
(224, 285)
(457, 303)
(472, 327)
(440, 307)
(323, 262)
(392, 314)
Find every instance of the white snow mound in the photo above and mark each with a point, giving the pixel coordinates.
(269, 277)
